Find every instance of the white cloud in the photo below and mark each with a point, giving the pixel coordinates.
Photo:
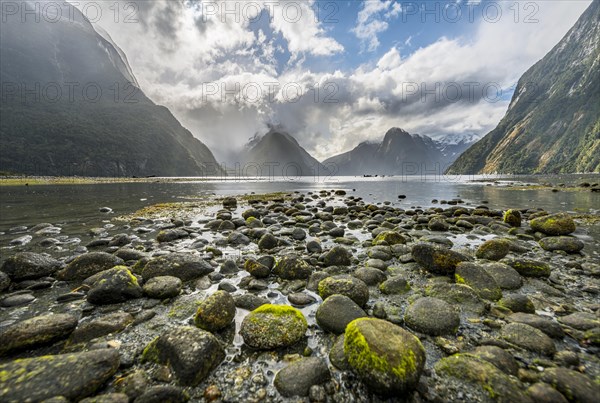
(174, 60)
(370, 21)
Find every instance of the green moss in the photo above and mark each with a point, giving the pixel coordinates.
(150, 353)
(361, 356)
(459, 279)
(281, 310)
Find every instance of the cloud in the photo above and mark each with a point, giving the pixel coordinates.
(370, 21)
(225, 81)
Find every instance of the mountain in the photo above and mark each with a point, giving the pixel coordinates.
(277, 153)
(553, 122)
(72, 106)
(400, 153)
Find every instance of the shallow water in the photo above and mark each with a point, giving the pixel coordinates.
(72, 204)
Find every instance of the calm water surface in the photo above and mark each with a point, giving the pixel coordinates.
(73, 205)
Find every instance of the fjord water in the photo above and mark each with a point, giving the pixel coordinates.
(75, 205)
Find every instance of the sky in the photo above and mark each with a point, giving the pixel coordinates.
(333, 73)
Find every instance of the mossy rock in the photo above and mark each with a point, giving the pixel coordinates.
(530, 267)
(273, 326)
(458, 294)
(528, 337)
(36, 331)
(395, 285)
(292, 268)
(89, 264)
(386, 357)
(512, 218)
(575, 386)
(28, 265)
(432, 316)
(216, 312)
(436, 258)
(337, 256)
(493, 249)
(256, 269)
(389, 238)
(113, 286)
(554, 224)
(73, 376)
(479, 280)
(565, 243)
(499, 386)
(191, 353)
(349, 286)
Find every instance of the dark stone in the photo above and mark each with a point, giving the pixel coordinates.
(334, 314)
(184, 266)
(575, 386)
(216, 312)
(346, 285)
(162, 287)
(163, 394)
(91, 329)
(337, 256)
(190, 352)
(73, 376)
(29, 265)
(293, 268)
(36, 331)
(432, 316)
(297, 378)
(114, 286)
(89, 264)
(436, 258)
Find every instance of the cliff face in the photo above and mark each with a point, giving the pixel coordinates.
(553, 122)
(70, 105)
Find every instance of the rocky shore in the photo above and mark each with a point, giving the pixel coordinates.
(316, 296)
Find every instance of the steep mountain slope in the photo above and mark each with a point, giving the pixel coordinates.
(278, 153)
(553, 122)
(71, 106)
(400, 153)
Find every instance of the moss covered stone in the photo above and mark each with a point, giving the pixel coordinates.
(386, 357)
(113, 286)
(36, 331)
(575, 386)
(89, 264)
(293, 268)
(436, 258)
(528, 337)
(191, 353)
(512, 218)
(349, 286)
(256, 269)
(493, 249)
(530, 267)
(554, 224)
(479, 280)
(273, 326)
(432, 316)
(216, 312)
(389, 238)
(492, 380)
(565, 243)
(73, 376)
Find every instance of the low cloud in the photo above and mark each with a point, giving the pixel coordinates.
(226, 79)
